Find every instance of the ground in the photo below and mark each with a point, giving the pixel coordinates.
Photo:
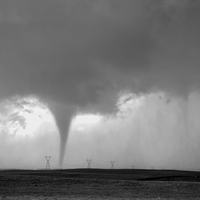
(99, 184)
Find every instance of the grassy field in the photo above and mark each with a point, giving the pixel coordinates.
(99, 184)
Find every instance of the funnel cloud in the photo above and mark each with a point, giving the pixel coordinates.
(78, 56)
(63, 117)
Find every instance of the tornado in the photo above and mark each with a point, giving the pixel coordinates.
(107, 48)
(63, 116)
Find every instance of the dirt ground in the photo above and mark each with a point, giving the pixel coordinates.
(99, 184)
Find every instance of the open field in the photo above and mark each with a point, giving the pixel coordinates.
(99, 184)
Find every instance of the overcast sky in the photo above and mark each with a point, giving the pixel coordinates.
(81, 53)
(76, 51)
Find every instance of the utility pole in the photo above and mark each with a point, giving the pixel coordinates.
(112, 162)
(48, 162)
(88, 162)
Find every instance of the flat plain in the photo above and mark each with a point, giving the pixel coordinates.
(99, 184)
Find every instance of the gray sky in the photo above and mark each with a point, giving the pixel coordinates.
(81, 53)
(77, 51)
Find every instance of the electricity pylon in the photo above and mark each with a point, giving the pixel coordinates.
(88, 162)
(112, 162)
(48, 162)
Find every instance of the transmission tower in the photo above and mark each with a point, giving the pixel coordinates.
(48, 162)
(88, 162)
(112, 162)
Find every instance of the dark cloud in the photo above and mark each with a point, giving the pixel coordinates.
(82, 53)
(51, 48)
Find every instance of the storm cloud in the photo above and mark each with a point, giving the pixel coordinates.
(78, 54)
(73, 51)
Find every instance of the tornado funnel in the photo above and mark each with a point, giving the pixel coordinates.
(63, 117)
